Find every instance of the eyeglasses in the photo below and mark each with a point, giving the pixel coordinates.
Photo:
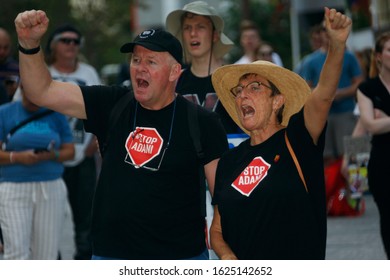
(138, 130)
(254, 88)
(68, 41)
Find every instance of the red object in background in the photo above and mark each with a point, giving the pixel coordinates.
(338, 200)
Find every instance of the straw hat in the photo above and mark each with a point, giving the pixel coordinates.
(291, 85)
(173, 25)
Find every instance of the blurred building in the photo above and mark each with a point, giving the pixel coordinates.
(380, 12)
(369, 18)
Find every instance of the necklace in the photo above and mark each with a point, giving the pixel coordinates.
(138, 130)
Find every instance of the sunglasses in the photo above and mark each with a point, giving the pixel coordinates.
(11, 80)
(68, 41)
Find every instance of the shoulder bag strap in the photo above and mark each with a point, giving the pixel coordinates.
(30, 119)
(24, 122)
(290, 149)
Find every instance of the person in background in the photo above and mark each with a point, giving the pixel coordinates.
(373, 95)
(365, 58)
(63, 51)
(9, 77)
(200, 29)
(11, 84)
(250, 40)
(315, 41)
(9, 68)
(264, 52)
(269, 198)
(123, 77)
(32, 191)
(341, 119)
(3, 95)
(147, 203)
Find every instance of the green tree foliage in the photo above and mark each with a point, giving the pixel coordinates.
(105, 24)
(58, 11)
(106, 27)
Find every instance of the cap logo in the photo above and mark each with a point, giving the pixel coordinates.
(147, 33)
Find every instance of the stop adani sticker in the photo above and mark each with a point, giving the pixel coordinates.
(143, 145)
(251, 176)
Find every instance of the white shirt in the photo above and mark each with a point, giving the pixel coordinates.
(85, 75)
(275, 58)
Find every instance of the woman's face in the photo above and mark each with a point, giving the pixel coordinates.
(384, 57)
(254, 105)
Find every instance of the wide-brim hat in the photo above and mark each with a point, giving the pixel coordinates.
(173, 25)
(294, 89)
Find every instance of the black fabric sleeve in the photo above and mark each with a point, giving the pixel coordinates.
(213, 135)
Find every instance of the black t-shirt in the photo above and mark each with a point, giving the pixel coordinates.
(143, 214)
(375, 90)
(378, 163)
(265, 210)
(200, 90)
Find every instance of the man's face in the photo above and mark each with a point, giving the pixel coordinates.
(197, 35)
(151, 73)
(250, 40)
(316, 40)
(5, 46)
(11, 84)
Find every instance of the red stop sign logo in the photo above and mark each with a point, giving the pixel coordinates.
(251, 176)
(143, 145)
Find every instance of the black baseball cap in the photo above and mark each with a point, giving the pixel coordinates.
(156, 40)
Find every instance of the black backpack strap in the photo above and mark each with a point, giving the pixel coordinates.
(115, 114)
(193, 125)
(24, 122)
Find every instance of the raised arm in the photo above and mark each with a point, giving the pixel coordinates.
(38, 85)
(317, 106)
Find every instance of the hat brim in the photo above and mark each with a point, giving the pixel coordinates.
(294, 89)
(220, 48)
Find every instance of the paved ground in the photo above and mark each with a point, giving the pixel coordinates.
(355, 238)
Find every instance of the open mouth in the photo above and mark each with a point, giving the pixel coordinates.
(195, 44)
(141, 83)
(247, 111)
